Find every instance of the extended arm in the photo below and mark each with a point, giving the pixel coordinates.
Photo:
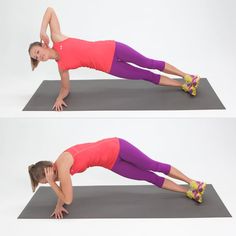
(60, 203)
(64, 91)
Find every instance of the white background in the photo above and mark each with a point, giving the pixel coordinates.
(202, 148)
(196, 36)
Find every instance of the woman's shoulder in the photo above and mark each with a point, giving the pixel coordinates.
(57, 38)
(65, 158)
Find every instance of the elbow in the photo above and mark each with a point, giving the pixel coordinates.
(49, 9)
(68, 201)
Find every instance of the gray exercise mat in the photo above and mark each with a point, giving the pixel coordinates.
(142, 201)
(90, 95)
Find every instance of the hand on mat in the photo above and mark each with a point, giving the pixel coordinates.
(44, 38)
(49, 174)
(58, 106)
(58, 212)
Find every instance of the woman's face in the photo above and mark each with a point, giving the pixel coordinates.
(39, 53)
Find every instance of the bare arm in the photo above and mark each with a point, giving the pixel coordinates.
(50, 18)
(65, 191)
(60, 203)
(59, 209)
(64, 91)
(65, 84)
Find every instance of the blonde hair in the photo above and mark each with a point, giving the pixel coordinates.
(34, 62)
(36, 172)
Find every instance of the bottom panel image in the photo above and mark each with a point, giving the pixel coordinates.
(122, 172)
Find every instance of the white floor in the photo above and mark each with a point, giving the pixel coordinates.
(201, 148)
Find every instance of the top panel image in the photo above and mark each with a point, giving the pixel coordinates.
(106, 60)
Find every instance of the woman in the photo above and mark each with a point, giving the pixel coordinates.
(107, 56)
(115, 154)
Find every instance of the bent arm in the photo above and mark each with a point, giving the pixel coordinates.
(64, 194)
(50, 18)
(65, 191)
(60, 203)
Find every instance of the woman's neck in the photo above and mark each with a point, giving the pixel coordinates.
(54, 54)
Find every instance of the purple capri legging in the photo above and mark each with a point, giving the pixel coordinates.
(134, 164)
(121, 68)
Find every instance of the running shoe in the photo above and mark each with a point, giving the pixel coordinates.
(189, 88)
(194, 195)
(198, 186)
(192, 79)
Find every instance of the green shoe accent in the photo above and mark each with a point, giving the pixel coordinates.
(189, 88)
(194, 195)
(199, 186)
(194, 80)
(185, 87)
(188, 79)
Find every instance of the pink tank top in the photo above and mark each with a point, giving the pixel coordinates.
(75, 53)
(101, 153)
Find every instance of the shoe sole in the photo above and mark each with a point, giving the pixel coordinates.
(201, 188)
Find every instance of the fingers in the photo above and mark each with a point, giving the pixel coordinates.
(58, 106)
(53, 107)
(44, 39)
(64, 210)
(44, 42)
(57, 215)
(49, 174)
(64, 104)
(48, 170)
